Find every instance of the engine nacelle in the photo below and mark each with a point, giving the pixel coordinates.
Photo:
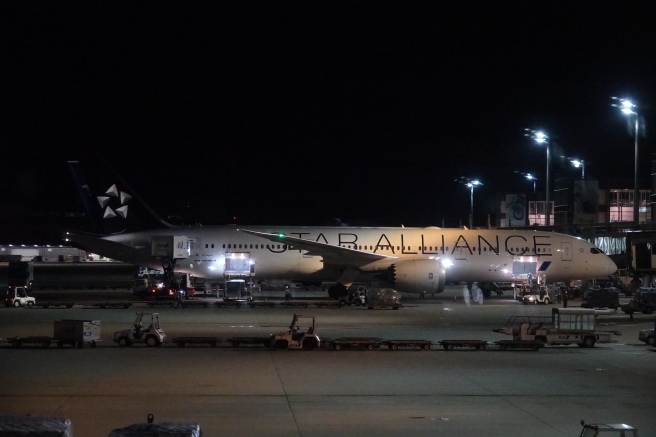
(418, 276)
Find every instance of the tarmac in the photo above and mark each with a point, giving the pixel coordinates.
(254, 391)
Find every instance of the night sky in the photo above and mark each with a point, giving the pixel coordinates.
(300, 112)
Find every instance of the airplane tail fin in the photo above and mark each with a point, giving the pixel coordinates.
(111, 205)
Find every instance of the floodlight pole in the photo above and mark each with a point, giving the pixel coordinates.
(630, 109)
(636, 192)
(471, 203)
(547, 208)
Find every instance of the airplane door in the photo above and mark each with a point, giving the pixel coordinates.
(566, 251)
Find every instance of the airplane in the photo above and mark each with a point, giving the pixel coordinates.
(408, 259)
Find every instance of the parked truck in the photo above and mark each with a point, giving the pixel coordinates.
(643, 300)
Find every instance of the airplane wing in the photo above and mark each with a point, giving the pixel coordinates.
(331, 254)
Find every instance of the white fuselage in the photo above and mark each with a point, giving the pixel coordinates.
(468, 255)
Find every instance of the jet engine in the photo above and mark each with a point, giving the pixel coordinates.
(417, 276)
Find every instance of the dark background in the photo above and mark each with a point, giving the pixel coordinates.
(301, 112)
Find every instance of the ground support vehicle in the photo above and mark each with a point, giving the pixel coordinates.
(536, 297)
(601, 298)
(608, 429)
(14, 425)
(383, 298)
(152, 335)
(183, 341)
(449, 345)
(237, 290)
(301, 335)
(648, 335)
(17, 297)
(260, 341)
(369, 343)
(566, 326)
(643, 300)
(396, 344)
(168, 429)
(356, 296)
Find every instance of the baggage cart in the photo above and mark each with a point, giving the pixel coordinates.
(396, 344)
(238, 341)
(183, 341)
(77, 332)
(449, 345)
(369, 343)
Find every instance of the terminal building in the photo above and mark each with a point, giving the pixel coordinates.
(599, 211)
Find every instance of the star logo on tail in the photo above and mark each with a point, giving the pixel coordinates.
(113, 196)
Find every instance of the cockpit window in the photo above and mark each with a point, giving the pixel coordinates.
(594, 250)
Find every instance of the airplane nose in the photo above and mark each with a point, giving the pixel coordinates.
(612, 267)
